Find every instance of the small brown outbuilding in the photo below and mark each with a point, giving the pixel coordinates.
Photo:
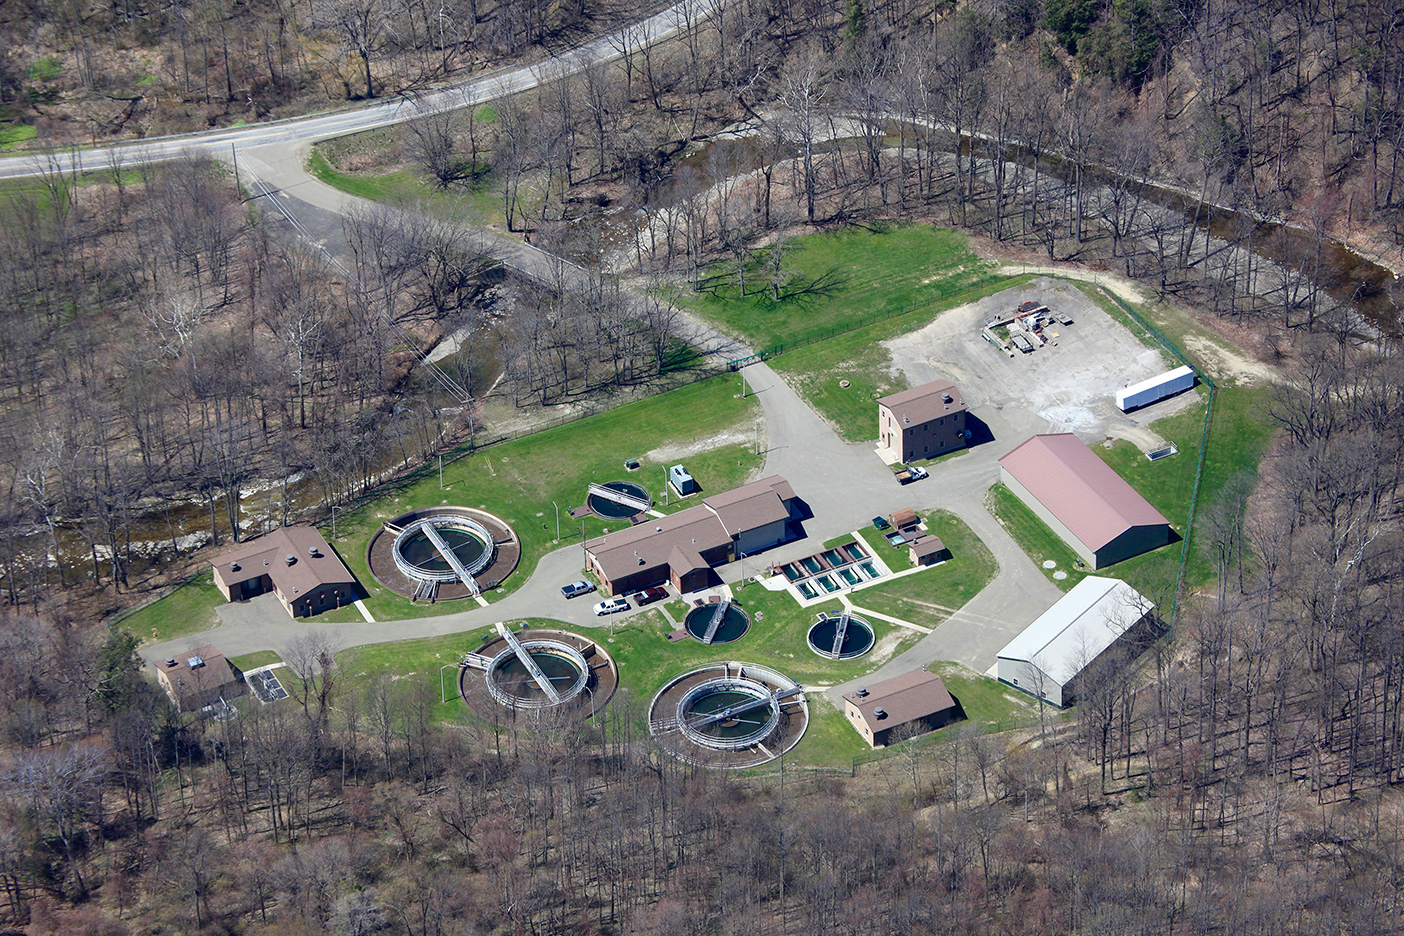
(197, 679)
(918, 699)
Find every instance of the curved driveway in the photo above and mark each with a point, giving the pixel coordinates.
(844, 485)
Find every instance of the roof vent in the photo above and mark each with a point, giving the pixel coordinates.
(862, 692)
(906, 419)
(641, 560)
(290, 558)
(947, 398)
(314, 551)
(658, 529)
(879, 712)
(170, 662)
(195, 662)
(233, 567)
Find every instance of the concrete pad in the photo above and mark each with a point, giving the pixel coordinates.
(1069, 384)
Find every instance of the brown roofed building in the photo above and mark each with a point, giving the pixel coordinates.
(294, 563)
(684, 547)
(927, 550)
(922, 422)
(904, 519)
(917, 698)
(1085, 502)
(201, 678)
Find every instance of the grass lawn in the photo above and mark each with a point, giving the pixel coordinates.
(1035, 537)
(987, 702)
(1238, 435)
(187, 610)
(519, 480)
(929, 597)
(776, 638)
(859, 358)
(839, 278)
(254, 660)
(407, 186)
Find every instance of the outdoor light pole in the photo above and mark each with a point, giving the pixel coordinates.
(441, 471)
(558, 520)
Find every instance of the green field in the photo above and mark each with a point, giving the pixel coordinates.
(480, 205)
(520, 480)
(858, 357)
(1036, 538)
(929, 597)
(836, 279)
(254, 660)
(1239, 432)
(187, 610)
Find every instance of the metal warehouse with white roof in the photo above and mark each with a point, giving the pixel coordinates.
(1096, 615)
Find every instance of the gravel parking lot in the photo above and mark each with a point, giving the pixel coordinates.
(1070, 382)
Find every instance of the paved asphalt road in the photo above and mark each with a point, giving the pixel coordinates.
(302, 131)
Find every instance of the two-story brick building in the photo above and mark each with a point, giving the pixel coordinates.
(922, 422)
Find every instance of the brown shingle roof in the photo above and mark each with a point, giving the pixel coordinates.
(926, 545)
(752, 505)
(906, 517)
(690, 531)
(903, 698)
(1092, 501)
(924, 403)
(681, 537)
(267, 555)
(192, 685)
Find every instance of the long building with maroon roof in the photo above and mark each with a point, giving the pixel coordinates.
(1085, 502)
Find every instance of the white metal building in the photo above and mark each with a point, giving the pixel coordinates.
(1050, 653)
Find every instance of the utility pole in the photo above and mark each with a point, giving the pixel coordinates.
(441, 471)
(235, 154)
(334, 510)
(558, 520)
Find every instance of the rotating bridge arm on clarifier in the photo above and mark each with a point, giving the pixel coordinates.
(775, 698)
(529, 663)
(715, 623)
(839, 630)
(450, 558)
(619, 497)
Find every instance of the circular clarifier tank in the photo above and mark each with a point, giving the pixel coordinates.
(423, 556)
(512, 682)
(729, 714)
(608, 509)
(733, 625)
(857, 636)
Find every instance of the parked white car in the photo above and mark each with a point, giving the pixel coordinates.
(611, 606)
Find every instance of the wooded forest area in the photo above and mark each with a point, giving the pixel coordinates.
(163, 347)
